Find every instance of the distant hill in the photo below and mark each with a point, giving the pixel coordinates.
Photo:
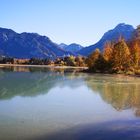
(28, 45)
(71, 48)
(122, 29)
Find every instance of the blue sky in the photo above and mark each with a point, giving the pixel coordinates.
(68, 21)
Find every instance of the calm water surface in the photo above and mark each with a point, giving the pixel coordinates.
(57, 104)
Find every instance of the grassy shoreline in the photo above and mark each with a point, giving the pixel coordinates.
(45, 66)
(84, 69)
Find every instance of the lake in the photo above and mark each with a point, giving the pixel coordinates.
(63, 104)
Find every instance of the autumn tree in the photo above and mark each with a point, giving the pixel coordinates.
(108, 48)
(92, 58)
(107, 54)
(121, 56)
(135, 54)
(135, 48)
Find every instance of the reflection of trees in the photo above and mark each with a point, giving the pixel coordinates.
(121, 92)
(34, 81)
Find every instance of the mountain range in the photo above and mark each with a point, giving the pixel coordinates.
(33, 45)
(28, 45)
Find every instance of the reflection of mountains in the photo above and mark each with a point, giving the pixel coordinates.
(33, 83)
(121, 92)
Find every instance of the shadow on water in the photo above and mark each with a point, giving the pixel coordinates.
(114, 130)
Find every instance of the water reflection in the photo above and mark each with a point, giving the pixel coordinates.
(29, 81)
(121, 92)
(71, 105)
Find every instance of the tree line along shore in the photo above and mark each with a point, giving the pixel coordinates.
(121, 56)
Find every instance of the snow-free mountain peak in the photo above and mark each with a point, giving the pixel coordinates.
(122, 29)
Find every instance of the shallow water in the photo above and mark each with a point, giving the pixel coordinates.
(59, 104)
